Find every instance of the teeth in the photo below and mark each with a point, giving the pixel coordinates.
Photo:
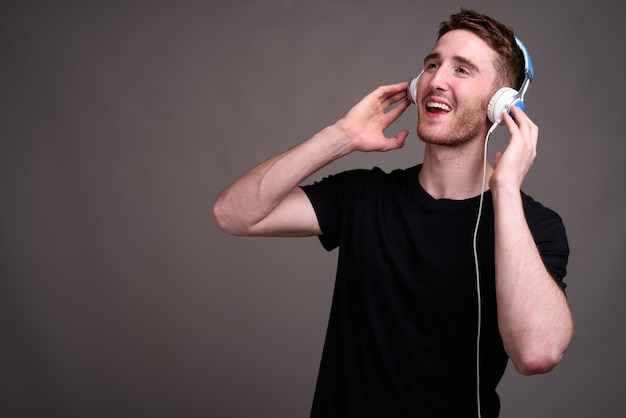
(439, 106)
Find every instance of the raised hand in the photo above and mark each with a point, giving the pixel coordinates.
(364, 125)
(512, 165)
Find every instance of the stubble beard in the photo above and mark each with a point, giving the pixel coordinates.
(468, 124)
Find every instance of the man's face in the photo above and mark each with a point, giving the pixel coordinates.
(455, 88)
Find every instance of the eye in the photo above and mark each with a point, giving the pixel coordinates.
(431, 66)
(463, 70)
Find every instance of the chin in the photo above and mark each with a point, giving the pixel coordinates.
(459, 134)
(439, 137)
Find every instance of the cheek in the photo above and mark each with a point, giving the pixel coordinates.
(476, 109)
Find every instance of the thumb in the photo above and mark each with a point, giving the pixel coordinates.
(401, 138)
(496, 158)
(395, 142)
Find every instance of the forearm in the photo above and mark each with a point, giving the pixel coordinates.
(252, 197)
(266, 200)
(533, 314)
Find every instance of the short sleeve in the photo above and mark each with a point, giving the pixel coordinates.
(331, 198)
(550, 236)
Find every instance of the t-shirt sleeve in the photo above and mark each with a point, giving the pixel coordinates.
(550, 236)
(331, 198)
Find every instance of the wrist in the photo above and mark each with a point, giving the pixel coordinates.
(506, 199)
(340, 138)
(503, 185)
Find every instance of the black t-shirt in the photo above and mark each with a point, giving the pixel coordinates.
(401, 339)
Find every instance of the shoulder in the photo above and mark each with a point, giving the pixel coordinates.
(545, 224)
(536, 212)
(351, 179)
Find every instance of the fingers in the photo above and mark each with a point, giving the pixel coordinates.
(392, 93)
(522, 148)
(396, 94)
(366, 122)
(520, 123)
(393, 114)
(394, 88)
(509, 121)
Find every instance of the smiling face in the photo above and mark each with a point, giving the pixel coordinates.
(453, 92)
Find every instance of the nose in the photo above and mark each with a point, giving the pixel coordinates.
(439, 79)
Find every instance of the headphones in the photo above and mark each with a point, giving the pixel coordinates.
(504, 98)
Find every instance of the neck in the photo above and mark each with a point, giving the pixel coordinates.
(454, 172)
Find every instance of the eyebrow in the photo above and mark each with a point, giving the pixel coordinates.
(457, 58)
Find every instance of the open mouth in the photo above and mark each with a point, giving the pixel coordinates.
(437, 107)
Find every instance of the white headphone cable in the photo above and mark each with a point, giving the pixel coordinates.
(478, 296)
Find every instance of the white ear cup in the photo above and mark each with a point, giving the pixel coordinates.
(502, 101)
(411, 91)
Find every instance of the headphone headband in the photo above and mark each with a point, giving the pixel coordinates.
(529, 71)
(528, 63)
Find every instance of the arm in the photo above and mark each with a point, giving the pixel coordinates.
(267, 200)
(533, 315)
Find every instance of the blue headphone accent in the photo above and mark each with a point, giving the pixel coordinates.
(504, 98)
(528, 63)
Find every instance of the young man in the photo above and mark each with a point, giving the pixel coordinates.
(411, 309)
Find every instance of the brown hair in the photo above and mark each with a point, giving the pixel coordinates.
(498, 36)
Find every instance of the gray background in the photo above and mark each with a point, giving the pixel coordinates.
(121, 122)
